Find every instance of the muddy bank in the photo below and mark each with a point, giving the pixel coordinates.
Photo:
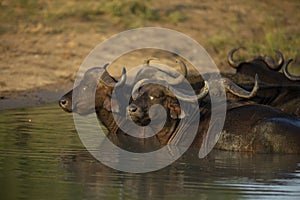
(34, 97)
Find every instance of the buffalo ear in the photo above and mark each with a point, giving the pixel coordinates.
(175, 111)
(111, 105)
(107, 104)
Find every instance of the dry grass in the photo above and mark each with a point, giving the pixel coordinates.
(61, 33)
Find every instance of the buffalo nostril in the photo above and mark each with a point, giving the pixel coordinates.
(63, 103)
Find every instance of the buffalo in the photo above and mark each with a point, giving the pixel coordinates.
(266, 68)
(99, 82)
(106, 104)
(285, 98)
(248, 127)
(280, 90)
(260, 128)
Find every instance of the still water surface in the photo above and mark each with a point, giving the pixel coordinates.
(41, 157)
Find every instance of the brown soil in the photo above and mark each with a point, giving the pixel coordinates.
(39, 60)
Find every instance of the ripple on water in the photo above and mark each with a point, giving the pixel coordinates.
(41, 157)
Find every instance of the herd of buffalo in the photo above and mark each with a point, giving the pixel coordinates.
(262, 105)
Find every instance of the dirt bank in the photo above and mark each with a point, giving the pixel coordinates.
(42, 44)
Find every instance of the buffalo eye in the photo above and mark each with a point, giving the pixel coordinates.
(151, 97)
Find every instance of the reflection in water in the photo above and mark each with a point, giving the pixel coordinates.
(41, 157)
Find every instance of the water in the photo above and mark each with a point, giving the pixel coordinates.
(41, 157)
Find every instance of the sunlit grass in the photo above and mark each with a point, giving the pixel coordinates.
(260, 35)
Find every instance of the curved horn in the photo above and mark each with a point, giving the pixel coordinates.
(181, 76)
(231, 62)
(191, 98)
(136, 87)
(281, 59)
(123, 78)
(105, 66)
(178, 94)
(271, 63)
(287, 73)
(183, 67)
(109, 81)
(106, 78)
(157, 73)
(238, 91)
(179, 79)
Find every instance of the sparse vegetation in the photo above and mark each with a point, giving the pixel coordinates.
(125, 13)
(41, 35)
(177, 16)
(266, 32)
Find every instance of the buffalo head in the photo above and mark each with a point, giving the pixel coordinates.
(267, 69)
(92, 83)
(152, 94)
(266, 62)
